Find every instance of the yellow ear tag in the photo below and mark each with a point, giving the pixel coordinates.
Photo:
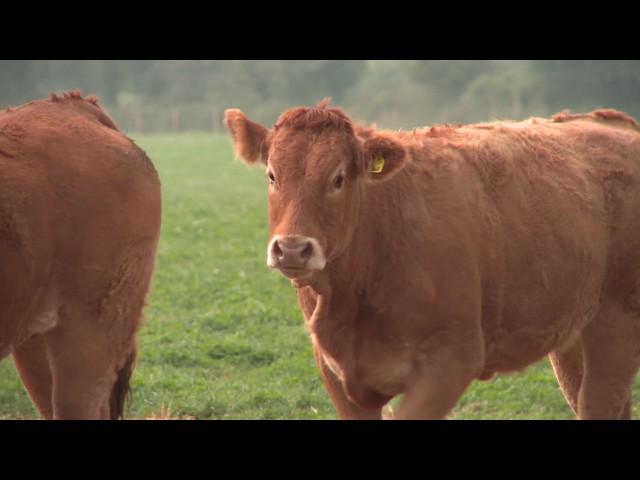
(376, 165)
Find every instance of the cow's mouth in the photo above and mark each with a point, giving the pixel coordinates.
(300, 277)
(295, 273)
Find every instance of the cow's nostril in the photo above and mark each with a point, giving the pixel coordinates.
(307, 252)
(277, 251)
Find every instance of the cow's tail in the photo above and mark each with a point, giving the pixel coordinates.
(121, 393)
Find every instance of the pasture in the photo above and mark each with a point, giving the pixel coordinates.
(223, 337)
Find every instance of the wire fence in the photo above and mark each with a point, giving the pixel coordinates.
(159, 119)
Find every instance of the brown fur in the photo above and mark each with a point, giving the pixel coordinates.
(121, 393)
(80, 209)
(477, 249)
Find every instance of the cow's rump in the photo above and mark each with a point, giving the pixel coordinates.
(79, 224)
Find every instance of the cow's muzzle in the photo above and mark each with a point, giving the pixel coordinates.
(295, 256)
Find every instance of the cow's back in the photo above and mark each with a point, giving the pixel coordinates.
(78, 201)
(548, 211)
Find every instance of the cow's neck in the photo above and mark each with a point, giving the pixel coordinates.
(346, 282)
(353, 289)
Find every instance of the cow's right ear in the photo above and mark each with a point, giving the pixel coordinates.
(250, 139)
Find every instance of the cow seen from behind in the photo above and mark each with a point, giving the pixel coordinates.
(80, 211)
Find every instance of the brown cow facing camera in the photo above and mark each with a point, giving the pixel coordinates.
(426, 259)
(80, 209)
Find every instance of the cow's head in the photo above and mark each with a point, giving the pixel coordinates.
(317, 164)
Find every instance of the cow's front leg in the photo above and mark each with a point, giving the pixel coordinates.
(347, 410)
(443, 370)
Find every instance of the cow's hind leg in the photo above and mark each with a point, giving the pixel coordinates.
(32, 364)
(73, 380)
(611, 359)
(568, 369)
(93, 348)
(84, 364)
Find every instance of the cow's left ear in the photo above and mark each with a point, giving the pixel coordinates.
(383, 156)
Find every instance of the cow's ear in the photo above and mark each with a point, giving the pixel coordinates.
(250, 139)
(384, 156)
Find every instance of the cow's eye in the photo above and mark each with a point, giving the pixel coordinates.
(272, 179)
(338, 181)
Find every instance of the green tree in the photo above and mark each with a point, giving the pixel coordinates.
(18, 80)
(309, 81)
(497, 94)
(447, 80)
(387, 96)
(582, 85)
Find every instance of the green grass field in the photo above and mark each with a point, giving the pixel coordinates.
(223, 336)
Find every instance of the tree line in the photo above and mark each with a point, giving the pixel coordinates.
(162, 95)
